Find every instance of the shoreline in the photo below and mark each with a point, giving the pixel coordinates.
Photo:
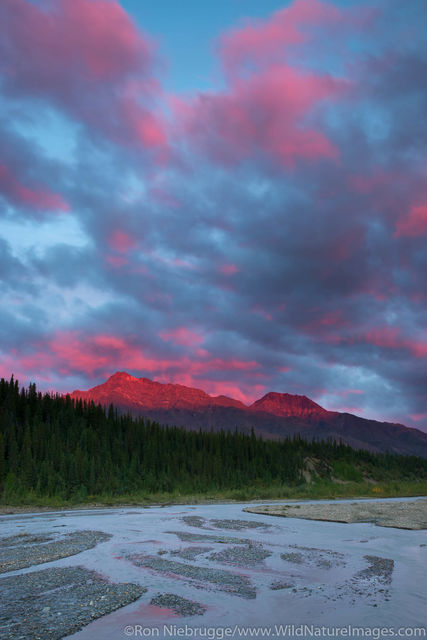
(410, 515)
(6, 510)
(62, 573)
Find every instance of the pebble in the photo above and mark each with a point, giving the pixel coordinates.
(236, 525)
(249, 556)
(29, 602)
(224, 580)
(21, 551)
(201, 537)
(179, 605)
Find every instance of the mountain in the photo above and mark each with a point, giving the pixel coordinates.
(125, 391)
(285, 405)
(274, 416)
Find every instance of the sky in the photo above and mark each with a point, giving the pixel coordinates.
(228, 195)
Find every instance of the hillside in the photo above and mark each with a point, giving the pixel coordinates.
(274, 416)
(55, 448)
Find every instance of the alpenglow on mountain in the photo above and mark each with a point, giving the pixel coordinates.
(275, 415)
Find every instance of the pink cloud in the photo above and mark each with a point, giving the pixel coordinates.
(228, 269)
(145, 123)
(221, 364)
(417, 417)
(327, 327)
(259, 310)
(368, 183)
(71, 353)
(358, 411)
(266, 41)
(414, 223)
(88, 58)
(182, 336)
(117, 261)
(238, 391)
(12, 363)
(35, 197)
(332, 319)
(382, 191)
(243, 393)
(342, 393)
(121, 241)
(392, 338)
(262, 114)
(388, 337)
(419, 349)
(268, 105)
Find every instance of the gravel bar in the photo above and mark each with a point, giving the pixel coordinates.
(372, 583)
(180, 606)
(235, 525)
(401, 515)
(278, 585)
(321, 558)
(238, 525)
(380, 568)
(247, 557)
(224, 580)
(21, 551)
(190, 553)
(201, 537)
(52, 603)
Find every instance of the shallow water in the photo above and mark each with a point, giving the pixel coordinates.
(321, 567)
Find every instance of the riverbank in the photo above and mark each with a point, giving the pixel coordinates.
(401, 515)
(202, 566)
(323, 490)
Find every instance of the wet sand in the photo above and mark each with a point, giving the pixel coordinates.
(401, 515)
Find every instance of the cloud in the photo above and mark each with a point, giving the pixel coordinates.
(72, 354)
(265, 42)
(88, 59)
(280, 247)
(229, 269)
(13, 274)
(183, 336)
(262, 115)
(414, 223)
(121, 241)
(30, 184)
(35, 197)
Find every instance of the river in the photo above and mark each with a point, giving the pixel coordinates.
(248, 574)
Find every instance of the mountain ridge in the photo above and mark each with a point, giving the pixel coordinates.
(274, 416)
(280, 404)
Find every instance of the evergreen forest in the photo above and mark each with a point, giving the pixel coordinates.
(56, 450)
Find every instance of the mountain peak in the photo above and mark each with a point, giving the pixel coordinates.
(124, 390)
(122, 376)
(275, 415)
(286, 404)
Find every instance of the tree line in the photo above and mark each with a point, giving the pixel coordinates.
(53, 445)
